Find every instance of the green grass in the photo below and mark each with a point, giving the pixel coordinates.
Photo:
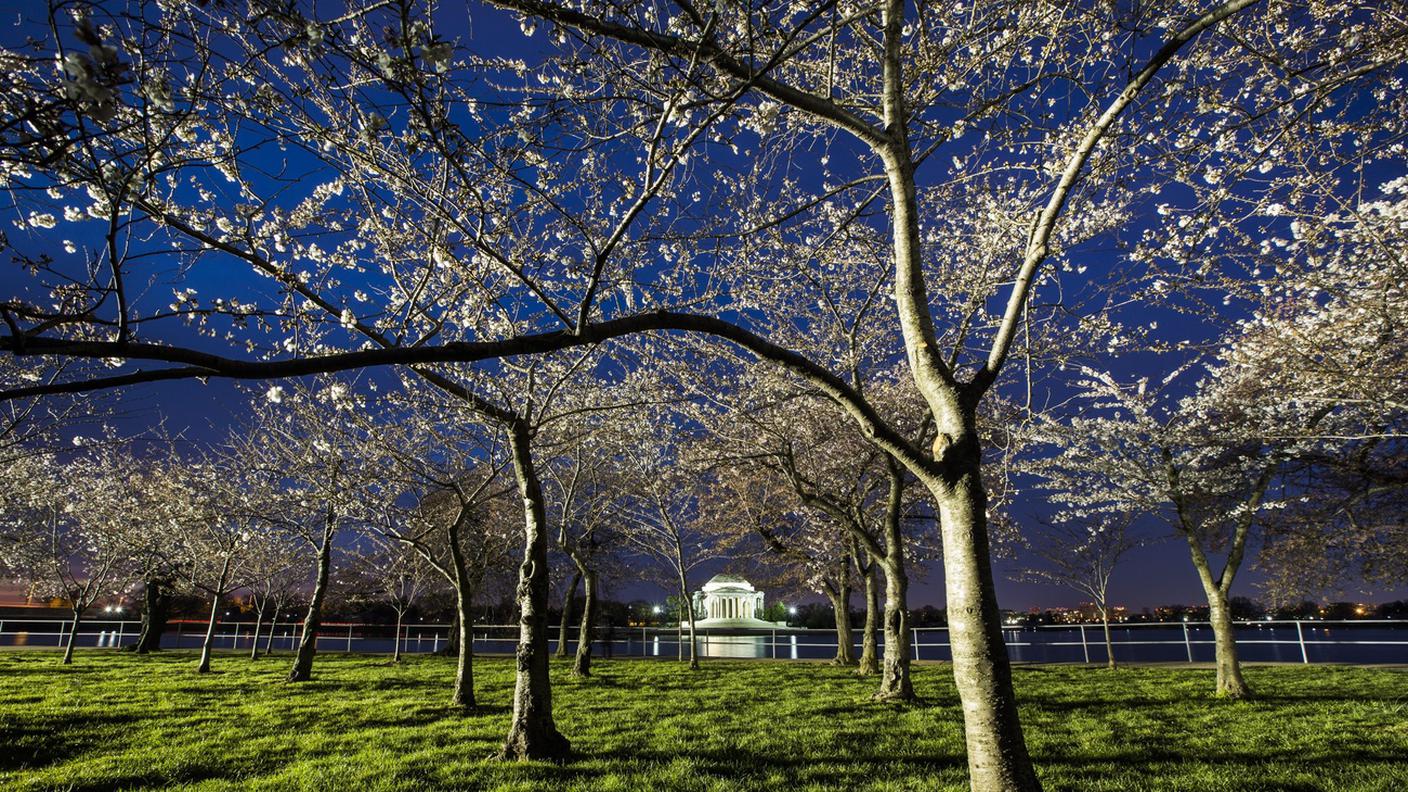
(121, 722)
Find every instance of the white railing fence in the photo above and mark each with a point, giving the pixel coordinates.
(1286, 640)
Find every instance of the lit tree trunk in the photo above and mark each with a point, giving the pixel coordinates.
(156, 603)
(258, 622)
(72, 636)
(869, 656)
(204, 666)
(463, 694)
(840, 596)
(1109, 644)
(689, 609)
(1230, 682)
(396, 637)
(532, 733)
(567, 613)
(273, 627)
(997, 752)
(582, 665)
(302, 670)
(894, 673)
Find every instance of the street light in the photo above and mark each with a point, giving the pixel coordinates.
(791, 610)
(656, 610)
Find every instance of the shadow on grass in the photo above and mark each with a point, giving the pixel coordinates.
(55, 739)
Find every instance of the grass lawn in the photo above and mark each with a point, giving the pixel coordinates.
(121, 722)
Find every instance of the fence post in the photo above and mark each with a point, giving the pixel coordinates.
(774, 644)
(235, 642)
(1085, 647)
(914, 634)
(120, 625)
(179, 627)
(1187, 644)
(1300, 638)
(435, 644)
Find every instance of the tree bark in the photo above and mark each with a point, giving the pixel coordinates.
(302, 670)
(997, 751)
(396, 638)
(273, 628)
(894, 672)
(203, 667)
(532, 733)
(156, 604)
(567, 613)
(258, 622)
(1230, 682)
(840, 597)
(463, 694)
(869, 656)
(582, 665)
(689, 609)
(72, 637)
(1109, 644)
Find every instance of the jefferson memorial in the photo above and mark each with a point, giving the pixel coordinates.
(730, 601)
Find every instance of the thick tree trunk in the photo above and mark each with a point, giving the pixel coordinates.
(302, 670)
(72, 637)
(894, 673)
(869, 654)
(203, 666)
(1230, 682)
(156, 605)
(840, 605)
(997, 750)
(1109, 644)
(582, 665)
(532, 733)
(567, 613)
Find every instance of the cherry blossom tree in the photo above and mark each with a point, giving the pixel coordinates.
(583, 504)
(277, 575)
(301, 442)
(1081, 556)
(64, 546)
(821, 561)
(991, 142)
